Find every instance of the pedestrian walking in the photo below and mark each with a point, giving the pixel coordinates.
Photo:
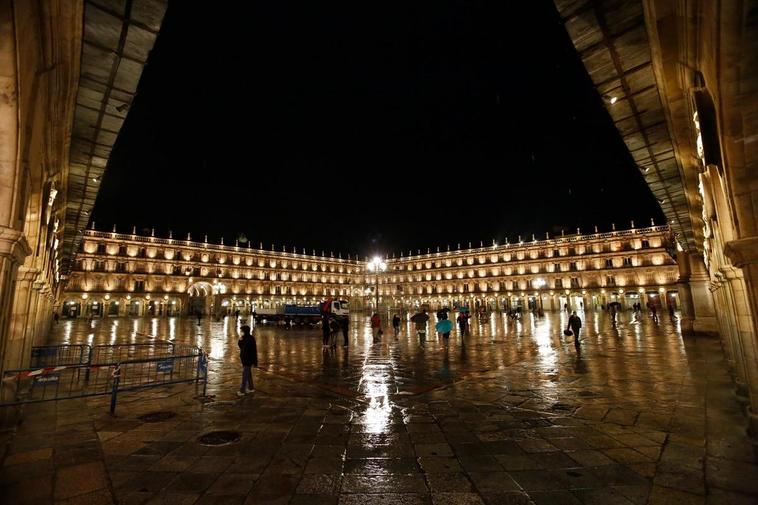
(420, 319)
(376, 327)
(574, 324)
(396, 324)
(345, 325)
(325, 330)
(462, 323)
(248, 358)
(444, 327)
(671, 312)
(334, 330)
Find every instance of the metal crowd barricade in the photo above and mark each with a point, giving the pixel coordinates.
(56, 355)
(111, 370)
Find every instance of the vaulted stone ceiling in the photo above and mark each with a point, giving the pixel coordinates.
(118, 37)
(611, 39)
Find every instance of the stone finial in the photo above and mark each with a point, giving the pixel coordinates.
(134, 230)
(547, 236)
(322, 253)
(401, 254)
(222, 240)
(578, 231)
(152, 232)
(652, 222)
(205, 239)
(419, 251)
(428, 250)
(236, 242)
(519, 239)
(448, 247)
(595, 228)
(481, 243)
(563, 233)
(170, 234)
(533, 239)
(469, 245)
(114, 227)
(438, 248)
(632, 224)
(249, 245)
(613, 226)
(189, 237)
(93, 225)
(459, 245)
(339, 255)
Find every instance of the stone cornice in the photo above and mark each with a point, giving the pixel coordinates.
(13, 245)
(742, 252)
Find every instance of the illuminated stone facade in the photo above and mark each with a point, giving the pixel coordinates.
(120, 275)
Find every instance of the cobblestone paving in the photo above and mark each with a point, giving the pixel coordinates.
(511, 414)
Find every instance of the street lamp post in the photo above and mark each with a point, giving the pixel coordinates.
(377, 265)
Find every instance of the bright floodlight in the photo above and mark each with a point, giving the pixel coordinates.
(376, 264)
(613, 100)
(539, 282)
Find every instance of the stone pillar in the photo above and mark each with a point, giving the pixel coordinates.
(700, 283)
(743, 253)
(13, 250)
(22, 319)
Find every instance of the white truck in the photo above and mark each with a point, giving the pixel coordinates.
(301, 314)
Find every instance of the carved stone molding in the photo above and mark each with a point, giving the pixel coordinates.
(13, 245)
(742, 252)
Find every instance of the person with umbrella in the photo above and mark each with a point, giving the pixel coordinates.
(444, 327)
(420, 319)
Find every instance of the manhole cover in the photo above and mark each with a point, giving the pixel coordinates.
(219, 437)
(157, 417)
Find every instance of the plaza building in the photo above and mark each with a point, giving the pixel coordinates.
(131, 275)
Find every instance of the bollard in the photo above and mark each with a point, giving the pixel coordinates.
(115, 375)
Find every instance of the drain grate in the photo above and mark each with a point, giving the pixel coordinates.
(219, 437)
(157, 417)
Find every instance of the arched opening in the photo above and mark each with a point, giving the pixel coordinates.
(200, 298)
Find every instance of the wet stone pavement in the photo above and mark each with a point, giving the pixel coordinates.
(510, 414)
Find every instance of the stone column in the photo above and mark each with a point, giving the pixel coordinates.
(743, 254)
(22, 303)
(13, 250)
(700, 283)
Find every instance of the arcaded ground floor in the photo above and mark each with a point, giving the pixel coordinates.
(510, 414)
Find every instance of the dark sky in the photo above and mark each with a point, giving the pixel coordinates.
(368, 127)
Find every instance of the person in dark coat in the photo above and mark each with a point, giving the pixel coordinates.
(345, 324)
(575, 324)
(325, 330)
(396, 324)
(249, 359)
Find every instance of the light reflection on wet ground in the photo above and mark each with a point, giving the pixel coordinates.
(510, 413)
(405, 365)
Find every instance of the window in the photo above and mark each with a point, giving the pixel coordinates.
(465, 288)
(610, 280)
(139, 286)
(555, 253)
(609, 263)
(572, 266)
(122, 250)
(575, 282)
(627, 262)
(558, 283)
(645, 244)
(100, 248)
(556, 267)
(572, 251)
(121, 267)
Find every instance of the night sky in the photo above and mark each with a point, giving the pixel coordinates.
(368, 127)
